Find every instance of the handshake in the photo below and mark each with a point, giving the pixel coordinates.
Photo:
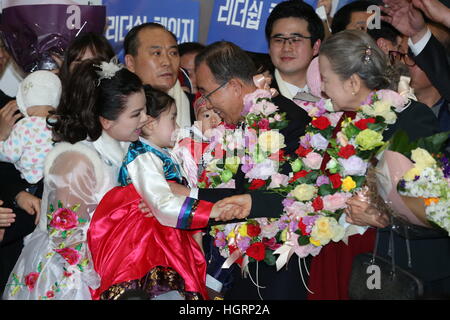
(235, 207)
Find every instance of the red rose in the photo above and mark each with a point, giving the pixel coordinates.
(64, 219)
(321, 123)
(253, 230)
(298, 175)
(302, 228)
(264, 124)
(233, 249)
(271, 243)
(347, 151)
(257, 184)
(302, 152)
(362, 124)
(317, 204)
(257, 251)
(50, 294)
(72, 256)
(336, 180)
(30, 280)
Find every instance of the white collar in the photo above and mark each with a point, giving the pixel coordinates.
(287, 89)
(111, 151)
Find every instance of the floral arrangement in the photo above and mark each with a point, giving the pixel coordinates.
(429, 179)
(331, 166)
(257, 147)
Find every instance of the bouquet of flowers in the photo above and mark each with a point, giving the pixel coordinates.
(257, 147)
(429, 180)
(333, 159)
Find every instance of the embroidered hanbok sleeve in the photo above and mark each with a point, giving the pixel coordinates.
(71, 203)
(147, 175)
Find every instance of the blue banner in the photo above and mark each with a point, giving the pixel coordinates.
(243, 22)
(179, 16)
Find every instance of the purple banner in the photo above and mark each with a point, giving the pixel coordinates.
(33, 32)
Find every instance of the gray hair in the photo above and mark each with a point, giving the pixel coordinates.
(355, 52)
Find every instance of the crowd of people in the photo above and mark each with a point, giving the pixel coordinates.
(112, 185)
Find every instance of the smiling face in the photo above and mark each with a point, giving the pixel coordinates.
(226, 102)
(128, 125)
(291, 57)
(161, 130)
(157, 60)
(338, 90)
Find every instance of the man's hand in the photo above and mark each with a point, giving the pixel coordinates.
(179, 189)
(435, 10)
(407, 19)
(8, 119)
(361, 213)
(235, 207)
(7, 216)
(29, 203)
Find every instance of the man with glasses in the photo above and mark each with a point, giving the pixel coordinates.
(417, 119)
(294, 33)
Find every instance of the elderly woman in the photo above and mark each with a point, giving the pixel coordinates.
(352, 68)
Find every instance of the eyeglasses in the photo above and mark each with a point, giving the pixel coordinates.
(206, 97)
(400, 56)
(279, 41)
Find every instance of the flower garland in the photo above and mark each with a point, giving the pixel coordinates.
(317, 189)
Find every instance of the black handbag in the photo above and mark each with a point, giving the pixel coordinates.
(377, 278)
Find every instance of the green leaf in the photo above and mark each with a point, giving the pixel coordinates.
(378, 127)
(269, 258)
(52, 209)
(39, 268)
(60, 205)
(64, 234)
(303, 240)
(351, 130)
(433, 144)
(76, 207)
(326, 189)
(78, 247)
(359, 180)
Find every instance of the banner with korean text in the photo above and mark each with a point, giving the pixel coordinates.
(243, 22)
(179, 16)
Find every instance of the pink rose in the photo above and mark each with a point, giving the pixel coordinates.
(335, 201)
(264, 124)
(72, 256)
(64, 219)
(278, 180)
(313, 160)
(397, 100)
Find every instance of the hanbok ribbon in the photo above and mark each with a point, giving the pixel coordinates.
(262, 82)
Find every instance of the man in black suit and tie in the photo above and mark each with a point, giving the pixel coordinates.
(224, 76)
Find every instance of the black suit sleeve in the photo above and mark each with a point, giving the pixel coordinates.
(11, 184)
(417, 120)
(433, 61)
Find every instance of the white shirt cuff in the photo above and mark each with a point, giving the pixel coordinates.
(419, 45)
(194, 193)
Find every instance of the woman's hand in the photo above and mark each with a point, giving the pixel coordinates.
(7, 216)
(29, 203)
(362, 213)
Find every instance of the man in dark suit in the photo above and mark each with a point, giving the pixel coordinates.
(224, 76)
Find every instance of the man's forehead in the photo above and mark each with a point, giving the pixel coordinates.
(156, 37)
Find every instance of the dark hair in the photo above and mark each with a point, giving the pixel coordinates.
(131, 42)
(343, 16)
(386, 31)
(262, 62)
(86, 98)
(347, 50)
(226, 61)
(296, 9)
(99, 46)
(190, 47)
(157, 101)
